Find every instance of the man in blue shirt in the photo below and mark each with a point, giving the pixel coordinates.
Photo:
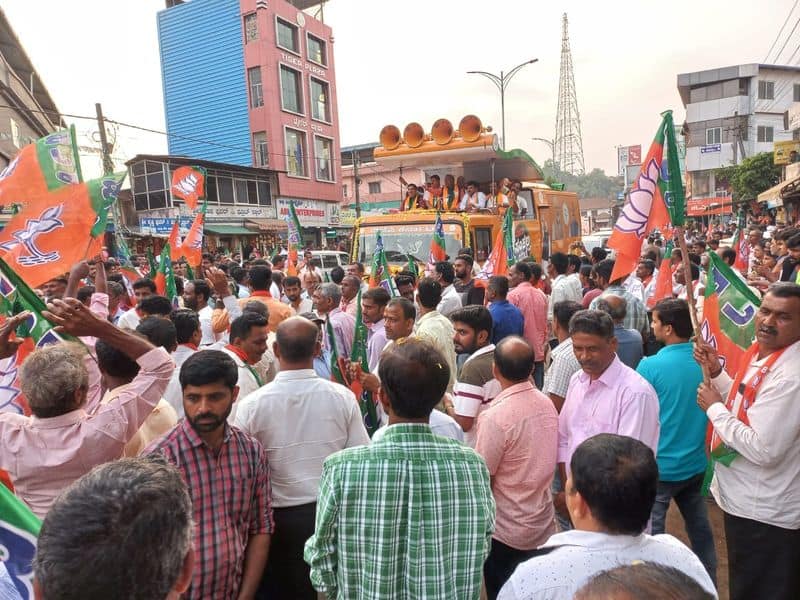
(681, 455)
(507, 319)
(629, 341)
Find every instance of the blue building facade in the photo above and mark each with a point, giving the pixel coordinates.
(204, 81)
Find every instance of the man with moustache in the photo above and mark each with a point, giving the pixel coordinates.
(605, 396)
(227, 474)
(756, 421)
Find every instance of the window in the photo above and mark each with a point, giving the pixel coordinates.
(291, 90)
(316, 51)
(296, 153)
(15, 133)
(211, 189)
(256, 93)
(264, 194)
(287, 36)
(374, 187)
(252, 192)
(765, 134)
(240, 187)
(766, 90)
(796, 95)
(225, 187)
(320, 108)
(250, 28)
(323, 150)
(344, 191)
(261, 155)
(713, 135)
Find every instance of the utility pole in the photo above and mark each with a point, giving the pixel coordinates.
(108, 164)
(356, 184)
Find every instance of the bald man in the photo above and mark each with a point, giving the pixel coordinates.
(299, 433)
(517, 437)
(630, 347)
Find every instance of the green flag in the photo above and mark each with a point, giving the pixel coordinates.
(189, 272)
(103, 192)
(412, 267)
(16, 297)
(671, 182)
(380, 274)
(19, 528)
(336, 371)
(165, 277)
(360, 356)
(151, 260)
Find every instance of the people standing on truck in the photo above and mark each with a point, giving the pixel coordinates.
(516, 199)
(451, 194)
(434, 193)
(413, 197)
(473, 199)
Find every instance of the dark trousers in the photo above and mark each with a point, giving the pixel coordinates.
(500, 565)
(763, 560)
(689, 498)
(286, 576)
(538, 374)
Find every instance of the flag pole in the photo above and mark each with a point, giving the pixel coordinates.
(687, 275)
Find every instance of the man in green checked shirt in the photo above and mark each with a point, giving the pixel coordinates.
(412, 515)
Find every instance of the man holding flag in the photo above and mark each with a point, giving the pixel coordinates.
(755, 418)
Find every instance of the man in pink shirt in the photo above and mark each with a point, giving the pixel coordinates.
(46, 452)
(517, 437)
(605, 396)
(532, 303)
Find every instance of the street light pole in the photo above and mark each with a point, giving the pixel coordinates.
(501, 82)
(551, 143)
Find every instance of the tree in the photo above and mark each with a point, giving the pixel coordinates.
(595, 184)
(750, 177)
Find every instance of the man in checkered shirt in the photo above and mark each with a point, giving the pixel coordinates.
(412, 515)
(227, 475)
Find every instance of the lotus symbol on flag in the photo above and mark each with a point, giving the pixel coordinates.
(21, 545)
(9, 170)
(187, 185)
(8, 391)
(47, 222)
(636, 212)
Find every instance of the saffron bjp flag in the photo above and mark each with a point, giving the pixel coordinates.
(294, 240)
(44, 166)
(502, 255)
(19, 528)
(380, 274)
(192, 247)
(360, 357)
(729, 314)
(656, 200)
(54, 231)
(174, 239)
(664, 280)
(437, 251)
(36, 332)
(189, 184)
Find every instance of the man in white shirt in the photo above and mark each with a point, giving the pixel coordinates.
(187, 333)
(293, 291)
(142, 288)
(759, 489)
(610, 493)
(562, 288)
(299, 432)
(473, 199)
(248, 344)
(433, 326)
(196, 295)
(648, 274)
(445, 274)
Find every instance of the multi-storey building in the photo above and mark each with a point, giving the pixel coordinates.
(253, 83)
(732, 112)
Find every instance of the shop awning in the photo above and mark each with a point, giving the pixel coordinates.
(772, 196)
(216, 229)
(267, 224)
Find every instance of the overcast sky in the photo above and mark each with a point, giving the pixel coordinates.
(403, 61)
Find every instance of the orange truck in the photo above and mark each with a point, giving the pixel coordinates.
(550, 223)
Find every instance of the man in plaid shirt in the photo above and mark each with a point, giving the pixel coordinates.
(412, 515)
(227, 474)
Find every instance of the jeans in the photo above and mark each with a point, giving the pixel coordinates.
(564, 524)
(538, 374)
(687, 495)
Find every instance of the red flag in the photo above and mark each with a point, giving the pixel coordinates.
(188, 183)
(742, 248)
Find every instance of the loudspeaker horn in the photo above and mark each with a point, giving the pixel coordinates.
(390, 137)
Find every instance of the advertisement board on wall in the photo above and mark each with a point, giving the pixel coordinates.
(786, 152)
(310, 213)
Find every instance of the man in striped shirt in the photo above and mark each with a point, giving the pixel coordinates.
(227, 475)
(410, 516)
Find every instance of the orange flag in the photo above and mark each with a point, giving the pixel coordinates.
(664, 281)
(188, 183)
(174, 240)
(50, 234)
(192, 247)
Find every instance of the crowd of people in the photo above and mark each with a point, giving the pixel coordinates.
(535, 429)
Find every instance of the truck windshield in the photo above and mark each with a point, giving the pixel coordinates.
(405, 240)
